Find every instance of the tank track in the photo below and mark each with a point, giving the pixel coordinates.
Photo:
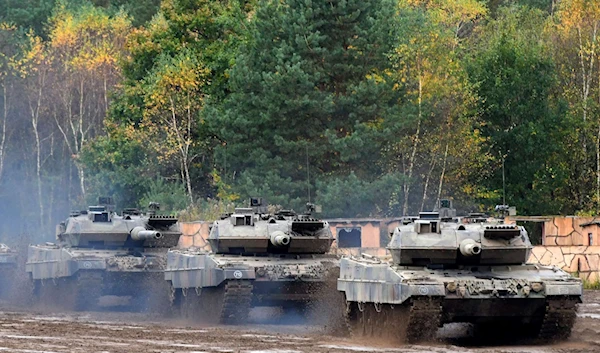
(237, 297)
(424, 319)
(88, 289)
(412, 322)
(559, 319)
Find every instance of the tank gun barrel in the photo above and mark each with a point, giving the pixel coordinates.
(469, 247)
(279, 238)
(140, 233)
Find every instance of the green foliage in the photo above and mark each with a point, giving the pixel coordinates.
(515, 79)
(206, 210)
(28, 14)
(170, 195)
(352, 197)
(119, 165)
(369, 108)
(305, 87)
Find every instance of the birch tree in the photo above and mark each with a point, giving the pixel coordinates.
(173, 104)
(87, 46)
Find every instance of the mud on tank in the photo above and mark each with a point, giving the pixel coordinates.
(257, 259)
(99, 252)
(443, 270)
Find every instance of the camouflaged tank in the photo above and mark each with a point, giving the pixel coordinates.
(443, 270)
(99, 252)
(257, 259)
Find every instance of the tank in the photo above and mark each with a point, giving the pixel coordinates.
(442, 270)
(100, 253)
(256, 259)
(8, 266)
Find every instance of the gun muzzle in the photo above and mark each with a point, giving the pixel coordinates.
(140, 233)
(279, 238)
(469, 247)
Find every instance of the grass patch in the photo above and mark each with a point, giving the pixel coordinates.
(591, 284)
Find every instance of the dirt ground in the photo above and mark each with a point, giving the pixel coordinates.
(32, 331)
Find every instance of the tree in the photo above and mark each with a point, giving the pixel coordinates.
(575, 30)
(9, 62)
(427, 61)
(309, 89)
(87, 47)
(173, 104)
(515, 79)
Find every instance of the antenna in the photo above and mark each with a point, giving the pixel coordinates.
(307, 173)
(503, 183)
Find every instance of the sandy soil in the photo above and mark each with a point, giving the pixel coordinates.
(33, 331)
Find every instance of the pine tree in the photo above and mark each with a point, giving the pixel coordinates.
(309, 88)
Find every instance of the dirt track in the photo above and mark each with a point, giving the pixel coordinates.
(34, 332)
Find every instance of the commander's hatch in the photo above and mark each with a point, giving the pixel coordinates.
(243, 217)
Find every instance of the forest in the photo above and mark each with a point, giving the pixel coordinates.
(371, 108)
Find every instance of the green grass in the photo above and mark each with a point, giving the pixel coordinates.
(591, 284)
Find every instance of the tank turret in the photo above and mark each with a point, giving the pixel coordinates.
(100, 227)
(253, 230)
(437, 238)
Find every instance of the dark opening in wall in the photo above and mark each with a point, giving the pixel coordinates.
(349, 237)
(534, 230)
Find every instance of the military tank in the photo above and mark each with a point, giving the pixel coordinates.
(99, 252)
(257, 259)
(445, 271)
(8, 265)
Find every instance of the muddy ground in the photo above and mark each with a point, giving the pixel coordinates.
(35, 331)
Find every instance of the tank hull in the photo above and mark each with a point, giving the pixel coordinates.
(8, 267)
(276, 280)
(481, 295)
(89, 274)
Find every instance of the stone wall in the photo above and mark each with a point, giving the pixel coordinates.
(581, 260)
(565, 231)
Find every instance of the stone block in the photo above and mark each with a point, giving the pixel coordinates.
(550, 228)
(582, 264)
(565, 241)
(557, 255)
(546, 260)
(538, 252)
(593, 250)
(578, 238)
(593, 261)
(568, 261)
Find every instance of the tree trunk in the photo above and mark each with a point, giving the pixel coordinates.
(35, 112)
(4, 118)
(411, 162)
(183, 145)
(426, 186)
(441, 184)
